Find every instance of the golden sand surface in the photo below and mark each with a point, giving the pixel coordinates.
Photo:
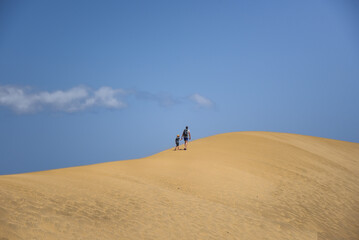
(241, 185)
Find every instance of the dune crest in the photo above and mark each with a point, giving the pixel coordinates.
(242, 185)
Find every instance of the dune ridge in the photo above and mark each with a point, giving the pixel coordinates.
(241, 185)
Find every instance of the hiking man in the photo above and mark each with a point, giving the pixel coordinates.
(186, 135)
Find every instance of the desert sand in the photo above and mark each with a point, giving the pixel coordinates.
(242, 185)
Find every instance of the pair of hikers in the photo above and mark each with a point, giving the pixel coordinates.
(186, 135)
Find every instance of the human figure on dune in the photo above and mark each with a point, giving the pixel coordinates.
(186, 135)
(177, 142)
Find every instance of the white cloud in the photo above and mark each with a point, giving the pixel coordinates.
(201, 101)
(106, 97)
(21, 100)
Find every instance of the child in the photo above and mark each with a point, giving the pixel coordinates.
(177, 142)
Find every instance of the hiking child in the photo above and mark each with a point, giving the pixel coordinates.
(186, 135)
(177, 142)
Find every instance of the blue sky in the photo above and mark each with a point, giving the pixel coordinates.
(84, 82)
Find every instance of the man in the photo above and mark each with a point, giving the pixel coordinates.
(186, 135)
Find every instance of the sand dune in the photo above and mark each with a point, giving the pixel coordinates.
(245, 185)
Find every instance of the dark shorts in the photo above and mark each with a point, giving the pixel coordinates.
(177, 144)
(186, 139)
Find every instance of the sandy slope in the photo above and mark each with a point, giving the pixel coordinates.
(246, 185)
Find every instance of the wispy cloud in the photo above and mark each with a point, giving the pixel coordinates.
(23, 100)
(107, 97)
(201, 101)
